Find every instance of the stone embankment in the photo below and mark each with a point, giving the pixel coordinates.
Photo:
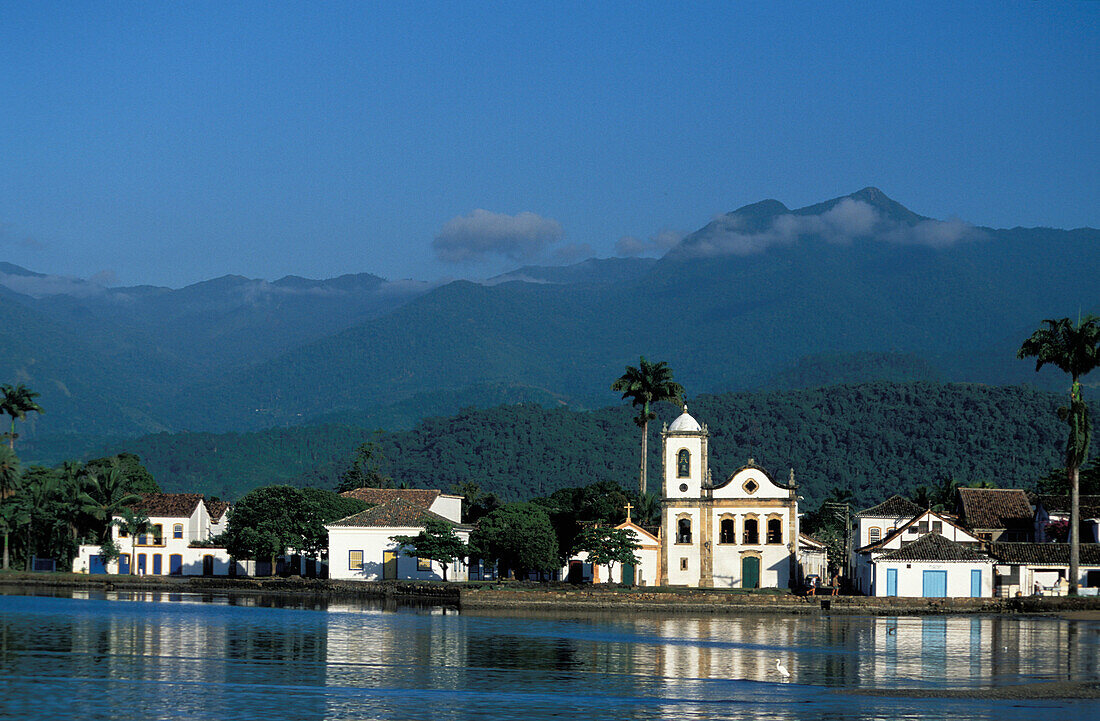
(534, 597)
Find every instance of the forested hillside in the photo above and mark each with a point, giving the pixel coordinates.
(874, 439)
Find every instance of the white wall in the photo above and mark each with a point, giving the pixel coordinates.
(373, 542)
(911, 577)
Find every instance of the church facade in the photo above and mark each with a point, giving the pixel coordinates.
(739, 533)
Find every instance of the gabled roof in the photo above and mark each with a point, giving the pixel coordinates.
(949, 520)
(216, 509)
(643, 532)
(1089, 505)
(168, 505)
(933, 547)
(810, 540)
(893, 507)
(396, 513)
(995, 508)
(1054, 554)
(418, 496)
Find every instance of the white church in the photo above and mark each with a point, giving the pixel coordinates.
(739, 533)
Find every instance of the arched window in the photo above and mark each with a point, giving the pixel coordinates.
(874, 534)
(177, 530)
(752, 532)
(683, 463)
(683, 530)
(725, 531)
(775, 530)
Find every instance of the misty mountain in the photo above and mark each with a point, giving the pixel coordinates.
(855, 288)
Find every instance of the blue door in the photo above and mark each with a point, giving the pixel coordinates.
(141, 564)
(891, 581)
(935, 584)
(175, 564)
(96, 565)
(157, 564)
(976, 583)
(123, 564)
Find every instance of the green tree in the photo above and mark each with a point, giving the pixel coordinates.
(137, 477)
(107, 495)
(365, 470)
(647, 384)
(324, 506)
(39, 489)
(17, 402)
(268, 521)
(437, 542)
(518, 536)
(1073, 349)
(13, 511)
(133, 524)
(607, 546)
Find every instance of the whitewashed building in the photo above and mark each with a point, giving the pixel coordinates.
(177, 520)
(932, 567)
(361, 546)
(738, 533)
(1040, 568)
(895, 577)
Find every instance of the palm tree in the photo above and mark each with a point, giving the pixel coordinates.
(134, 524)
(1073, 349)
(12, 512)
(38, 490)
(106, 497)
(17, 402)
(646, 384)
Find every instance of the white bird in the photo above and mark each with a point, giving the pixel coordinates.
(782, 669)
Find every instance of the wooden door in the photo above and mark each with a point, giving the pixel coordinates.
(750, 572)
(389, 565)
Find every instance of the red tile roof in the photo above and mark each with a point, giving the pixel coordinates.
(893, 507)
(396, 513)
(1043, 553)
(377, 496)
(216, 509)
(995, 508)
(933, 547)
(168, 505)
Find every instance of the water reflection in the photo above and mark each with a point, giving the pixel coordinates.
(172, 655)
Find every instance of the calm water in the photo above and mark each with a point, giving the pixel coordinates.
(152, 656)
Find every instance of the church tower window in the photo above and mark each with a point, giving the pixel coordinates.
(775, 530)
(725, 531)
(683, 463)
(683, 530)
(752, 532)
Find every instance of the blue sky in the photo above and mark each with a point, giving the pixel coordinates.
(169, 143)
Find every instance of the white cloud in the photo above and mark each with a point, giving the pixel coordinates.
(482, 233)
(657, 244)
(845, 222)
(41, 286)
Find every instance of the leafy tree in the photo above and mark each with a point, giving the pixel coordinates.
(607, 546)
(268, 521)
(39, 489)
(828, 524)
(438, 542)
(365, 470)
(12, 508)
(324, 506)
(134, 524)
(518, 536)
(571, 509)
(107, 495)
(17, 402)
(647, 509)
(1056, 483)
(1073, 349)
(137, 477)
(648, 383)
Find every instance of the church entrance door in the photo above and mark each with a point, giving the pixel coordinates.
(628, 574)
(750, 572)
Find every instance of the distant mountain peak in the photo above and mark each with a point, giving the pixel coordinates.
(888, 208)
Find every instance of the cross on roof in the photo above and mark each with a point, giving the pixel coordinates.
(628, 507)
